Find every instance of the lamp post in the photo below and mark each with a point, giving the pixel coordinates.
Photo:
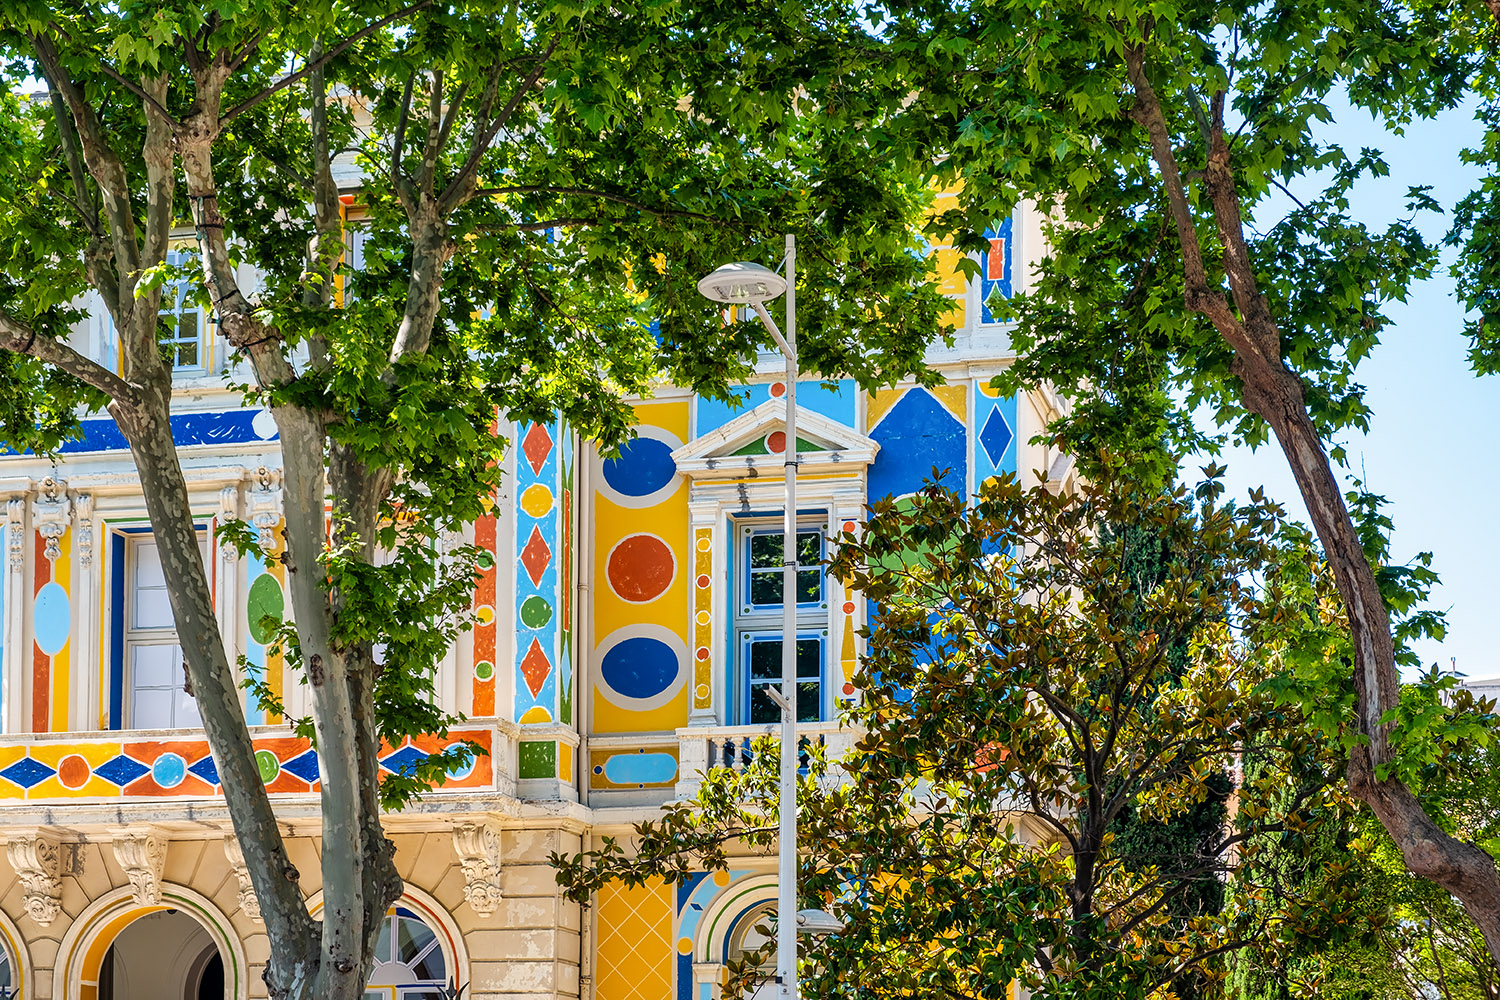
(752, 285)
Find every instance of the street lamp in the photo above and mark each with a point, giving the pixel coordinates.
(747, 284)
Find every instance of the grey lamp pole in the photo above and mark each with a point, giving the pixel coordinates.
(753, 285)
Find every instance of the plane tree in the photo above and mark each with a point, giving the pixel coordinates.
(535, 188)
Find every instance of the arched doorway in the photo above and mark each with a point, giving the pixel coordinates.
(193, 951)
(162, 955)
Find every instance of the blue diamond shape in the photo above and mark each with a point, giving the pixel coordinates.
(27, 772)
(121, 770)
(207, 770)
(304, 766)
(995, 436)
(403, 761)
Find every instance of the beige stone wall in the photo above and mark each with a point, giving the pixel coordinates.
(527, 949)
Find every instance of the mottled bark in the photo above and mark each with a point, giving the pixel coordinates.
(1275, 393)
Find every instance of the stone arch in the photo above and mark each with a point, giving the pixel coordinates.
(76, 973)
(20, 957)
(436, 916)
(724, 911)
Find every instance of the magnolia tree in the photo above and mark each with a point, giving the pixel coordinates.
(1053, 685)
(538, 188)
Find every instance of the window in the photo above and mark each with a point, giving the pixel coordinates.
(409, 963)
(154, 698)
(181, 331)
(759, 624)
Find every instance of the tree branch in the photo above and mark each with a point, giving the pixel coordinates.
(21, 338)
(328, 56)
(591, 193)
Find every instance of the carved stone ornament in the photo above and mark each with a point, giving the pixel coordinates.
(15, 517)
(247, 899)
(50, 515)
(263, 505)
(478, 847)
(35, 859)
(142, 854)
(83, 513)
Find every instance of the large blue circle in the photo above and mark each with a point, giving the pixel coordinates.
(51, 619)
(639, 667)
(645, 465)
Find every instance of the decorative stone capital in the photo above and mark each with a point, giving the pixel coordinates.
(247, 898)
(83, 514)
(142, 853)
(263, 504)
(34, 856)
(50, 515)
(15, 534)
(478, 847)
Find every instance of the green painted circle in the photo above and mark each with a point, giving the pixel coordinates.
(484, 670)
(268, 765)
(266, 599)
(535, 611)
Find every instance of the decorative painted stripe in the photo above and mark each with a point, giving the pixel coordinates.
(703, 636)
(214, 427)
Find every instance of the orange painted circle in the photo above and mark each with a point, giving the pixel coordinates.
(848, 607)
(776, 442)
(778, 389)
(640, 568)
(702, 652)
(849, 526)
(703, 581)
(73, 771)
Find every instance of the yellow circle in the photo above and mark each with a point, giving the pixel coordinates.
(685, 945)
(705, 543)
(704, 618)
(985, 389)
(536, 500)
(484, 615)
(701, 691)
(721, 878)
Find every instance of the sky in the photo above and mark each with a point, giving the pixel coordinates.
(1433, 448)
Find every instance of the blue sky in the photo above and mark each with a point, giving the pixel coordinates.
(1432, 447)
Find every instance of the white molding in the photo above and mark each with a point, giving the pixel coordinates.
(710, 456)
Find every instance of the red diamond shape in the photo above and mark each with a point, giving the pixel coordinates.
(535, 667)
(535, 557)
(536, 446)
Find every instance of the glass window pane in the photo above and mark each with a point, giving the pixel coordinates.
(809, 548)
(413, 937)
(765, 551)
(809, 586)
(765, 659)
(809, 657)
(153, 666)
(152, 609)
(809, 701)
(148, 572)
(762, 708)
(765, 588)
(151, 709)
(383, 943)
(187, 716)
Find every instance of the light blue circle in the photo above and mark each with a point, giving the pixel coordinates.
(169, 770)
(461, 771)
(640, 768)
(51, 619)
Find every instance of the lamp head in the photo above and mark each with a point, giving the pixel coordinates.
(742, 283)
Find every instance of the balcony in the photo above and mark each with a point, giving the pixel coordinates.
(701, 748)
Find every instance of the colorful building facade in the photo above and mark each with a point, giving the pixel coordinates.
(623, 640)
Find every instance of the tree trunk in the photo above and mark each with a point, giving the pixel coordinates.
(1275, 393)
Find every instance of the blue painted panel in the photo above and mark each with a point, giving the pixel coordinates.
(995, 283)
(995, 444)
(916, 436)
(116, 630)
(836, 404)
(219, 427)
(51, 618)
(640, 768)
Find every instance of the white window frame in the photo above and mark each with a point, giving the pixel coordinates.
(137, 637)
(174, 299)
(763, 622)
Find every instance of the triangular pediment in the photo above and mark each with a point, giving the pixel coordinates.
(754, 442)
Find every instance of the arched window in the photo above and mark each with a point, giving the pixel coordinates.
(409, 962)
(10, 979)
(754, 932)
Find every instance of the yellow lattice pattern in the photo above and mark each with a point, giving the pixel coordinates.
(635, 943)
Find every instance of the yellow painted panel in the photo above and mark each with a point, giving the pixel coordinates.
(880, 402)
(634, 954)
(951, 280)
(611, 718)
(955, 398)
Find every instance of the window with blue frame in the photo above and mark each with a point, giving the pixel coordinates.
(758, 621)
